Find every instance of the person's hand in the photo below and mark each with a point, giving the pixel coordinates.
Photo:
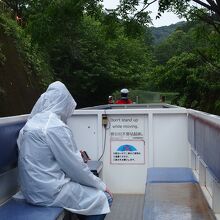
(109, 196)
(109, 192)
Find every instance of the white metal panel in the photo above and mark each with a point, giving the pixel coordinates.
(131, 178)
(209, 182)
(197, 164)
(126, 178)
(202, 173)
(150, 141)
(131, 111)
(215, 119)
(84, 128)
(216, 197)
(193, 159)
(170, 140)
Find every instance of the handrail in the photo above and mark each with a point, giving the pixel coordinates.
(12, 119)
(204, 139)
(209, 119)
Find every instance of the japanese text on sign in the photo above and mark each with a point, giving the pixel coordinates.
(129, 152)
(127, 127)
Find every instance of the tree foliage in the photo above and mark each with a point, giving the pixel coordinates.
(87, 48)
(160, 34)
(34, 59)
(191, 67)
(96, 52)
(207, 10)
(182, 7)
(175, 44)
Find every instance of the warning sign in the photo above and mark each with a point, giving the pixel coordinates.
(127, 127)
(127, 152)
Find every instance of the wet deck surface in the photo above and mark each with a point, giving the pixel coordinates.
(173, 201)
(127, 207)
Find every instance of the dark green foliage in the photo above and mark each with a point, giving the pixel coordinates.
(161, 33)
(190, 67)
(24, 73)
(92, 54)
(174, 45)
(15, 6)
(128, 10)
(2, 57)
(95, 52)
(35, 60)
(207, 10)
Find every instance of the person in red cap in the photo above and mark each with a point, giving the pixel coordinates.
(124, 98)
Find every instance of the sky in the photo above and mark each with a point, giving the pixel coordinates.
(166, 19)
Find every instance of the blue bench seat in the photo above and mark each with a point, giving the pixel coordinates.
(20, 210)
(174, 193)
(14, 209)
(170, 175)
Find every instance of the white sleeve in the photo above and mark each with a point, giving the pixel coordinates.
(69, 158)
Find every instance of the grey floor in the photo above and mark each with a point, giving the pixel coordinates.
(127, 207)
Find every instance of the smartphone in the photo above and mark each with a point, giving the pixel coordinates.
(85, 156)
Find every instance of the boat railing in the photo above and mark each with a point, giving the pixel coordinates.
(163, 138)
(204, 139)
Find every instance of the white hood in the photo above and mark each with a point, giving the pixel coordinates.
(56, 99)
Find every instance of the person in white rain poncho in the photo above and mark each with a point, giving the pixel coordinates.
(51, 169)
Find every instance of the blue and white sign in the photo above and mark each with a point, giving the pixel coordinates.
(127, 152)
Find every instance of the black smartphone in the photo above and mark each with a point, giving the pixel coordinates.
(85, 156)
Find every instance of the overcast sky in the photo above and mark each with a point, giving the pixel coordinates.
(166, 18)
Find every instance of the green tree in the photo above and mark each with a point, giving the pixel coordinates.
(84, 54)
(194, 75)
(207, 10)
(130, 7)
(174, 45)
(17, 6)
